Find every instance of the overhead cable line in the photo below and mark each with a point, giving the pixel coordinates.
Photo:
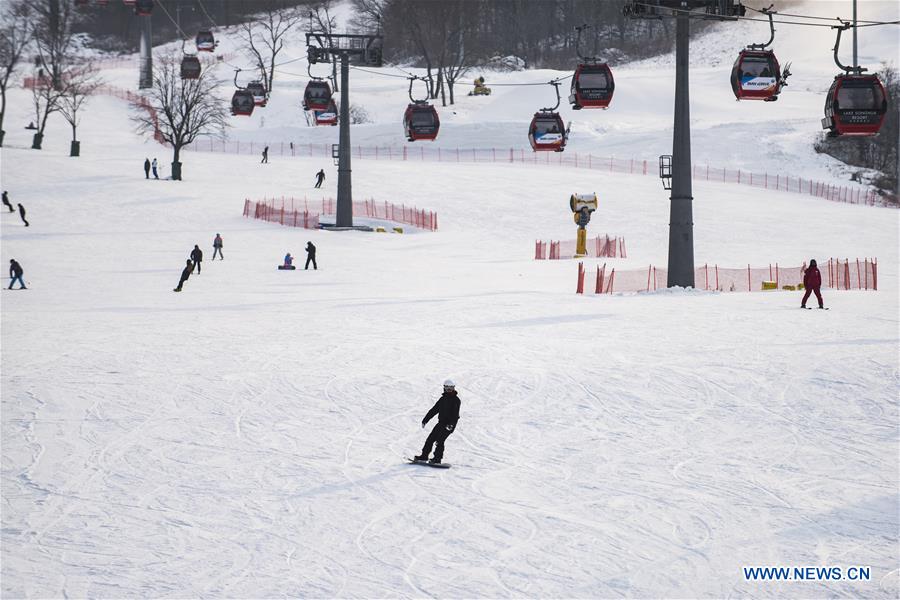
(203, 8)
(678, 11)
(174, 22)
(784, 14)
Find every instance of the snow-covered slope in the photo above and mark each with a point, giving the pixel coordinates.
(245, 438)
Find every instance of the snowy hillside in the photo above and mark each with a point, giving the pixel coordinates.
(246, 437)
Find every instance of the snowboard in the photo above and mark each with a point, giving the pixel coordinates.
(810, 308)
(442, 465)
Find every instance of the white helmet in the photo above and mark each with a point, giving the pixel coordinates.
(448, 383)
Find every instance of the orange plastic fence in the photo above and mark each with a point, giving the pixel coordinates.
(837, 274)
(610, 164)
(599, 247)
(301, 212)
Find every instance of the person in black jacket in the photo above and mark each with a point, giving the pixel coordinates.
(197, 257)
(6, 201)
(22, 213)
(185, 273)
(310, 256)
(15, 274)
(447, 410)
(147, 168)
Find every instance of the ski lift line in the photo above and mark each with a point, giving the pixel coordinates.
(551, 82)
(287, 62)
(379, 73)
(784, 14)
(678, 11)
(407, 76)
(174, 22)
(203, 8)
(879, 23)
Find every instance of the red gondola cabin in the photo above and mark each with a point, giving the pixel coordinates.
(547, 132)
(143, 8)
(421, 122)
(260, 97)
(205, 41)
(317, 95)
(190, 67)
(329, 116)
(592, 86)
(242, 103)
(855, 105)
(755, 75)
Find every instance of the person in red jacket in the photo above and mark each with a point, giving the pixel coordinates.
(812, 281)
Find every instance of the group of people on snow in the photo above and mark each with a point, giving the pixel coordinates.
(148, 166)
(288, 263)
(11, 209)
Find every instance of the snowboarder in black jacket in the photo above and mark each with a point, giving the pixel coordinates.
(15, 274)
(185, 273)
(447, 410)
(22, 213)
(320, 177)
(6, 201)
(310, 256)
(147, 168)
(197, 257)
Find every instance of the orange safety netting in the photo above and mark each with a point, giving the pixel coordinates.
(599, 247)
(836, 275)
(301, 212)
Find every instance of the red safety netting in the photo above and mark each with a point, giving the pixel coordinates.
(772, 181)
(599, 247)
(292, 217)
(302, 212)
(837, 274)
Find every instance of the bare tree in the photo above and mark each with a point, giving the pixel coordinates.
(178, 110)
(53, 37)
(263, 37)
(368, 14)
(458, 21)
(46, 100)
(15, 35)
(76, 90)
(55, 46)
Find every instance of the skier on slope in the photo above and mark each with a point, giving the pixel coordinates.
(812, 281)
(185, 274)
(15, 274)
(447, 409)
(196, 258)
(311, 256)
(217, 247)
